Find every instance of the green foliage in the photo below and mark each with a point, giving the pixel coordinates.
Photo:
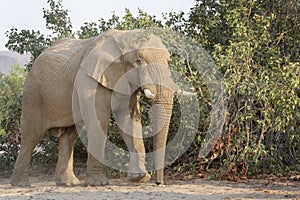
(57, 19)
(11, 86)
(89, 29)
(33, 42)
(262, 81)
(10, 100)
(127, 22)
(26, 41)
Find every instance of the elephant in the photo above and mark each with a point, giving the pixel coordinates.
(66, 78)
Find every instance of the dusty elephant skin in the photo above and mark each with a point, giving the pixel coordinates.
(68, 74)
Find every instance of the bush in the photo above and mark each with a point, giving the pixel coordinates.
(11, 86)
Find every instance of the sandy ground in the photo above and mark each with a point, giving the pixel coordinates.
(44, 188)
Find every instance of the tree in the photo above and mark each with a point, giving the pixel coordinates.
(127, 22)
(34, 42)
(256, 46)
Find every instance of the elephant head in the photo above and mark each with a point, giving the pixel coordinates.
(114, 53)
(126, 61)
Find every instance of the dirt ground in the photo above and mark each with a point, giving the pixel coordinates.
(44, 188)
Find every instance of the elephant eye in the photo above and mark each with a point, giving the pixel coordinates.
(139, 61)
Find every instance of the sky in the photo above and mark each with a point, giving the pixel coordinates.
(28, 14)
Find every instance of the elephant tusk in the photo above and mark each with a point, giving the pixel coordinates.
(185, 93)
(148, 93)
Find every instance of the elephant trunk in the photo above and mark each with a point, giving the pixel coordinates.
(162, 111)
(157, 84)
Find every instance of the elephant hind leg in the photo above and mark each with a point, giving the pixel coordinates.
(64, 175)
(21, 168)
(33, 128)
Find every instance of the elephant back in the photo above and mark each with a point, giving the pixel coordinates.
(60, 61)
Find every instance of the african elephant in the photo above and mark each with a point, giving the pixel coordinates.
(71, 75)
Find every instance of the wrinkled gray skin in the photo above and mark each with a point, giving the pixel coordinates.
(71, 72)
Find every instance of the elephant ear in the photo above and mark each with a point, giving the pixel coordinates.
(103, 62)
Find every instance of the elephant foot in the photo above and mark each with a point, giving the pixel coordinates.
(159, 183)
(97, 180)
(20, 182)
(138, 177)
(67, 180)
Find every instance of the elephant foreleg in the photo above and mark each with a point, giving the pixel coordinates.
(128, 118)
(64, 174)
(137, 171)
(94, 106)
